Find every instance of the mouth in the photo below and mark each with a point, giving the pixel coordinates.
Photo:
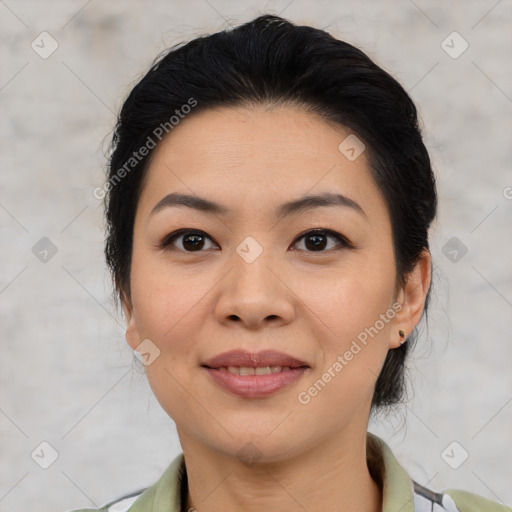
(255, 385)
(254, 375)
(259, 370)
(266, 361)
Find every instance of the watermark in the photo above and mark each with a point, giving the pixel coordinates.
(44, 45)
(146, 352)
(454, 455)
(44, 454)
(507, 192)
(454, 45)
(249, 249)
(44, 250)
(249, 454)
(137, 156)
(351, 147)
(304, 397)
(454, 249)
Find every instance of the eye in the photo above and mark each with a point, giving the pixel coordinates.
(191, 241)
(316, 239)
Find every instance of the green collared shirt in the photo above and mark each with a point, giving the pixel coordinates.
(400, 492)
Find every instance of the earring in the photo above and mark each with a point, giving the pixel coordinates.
(402, 334)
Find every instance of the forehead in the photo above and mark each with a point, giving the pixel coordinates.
(259, 155)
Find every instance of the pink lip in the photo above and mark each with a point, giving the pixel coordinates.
(252, 360)
(255, 386)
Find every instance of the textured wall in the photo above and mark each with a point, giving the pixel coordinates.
(66, 374)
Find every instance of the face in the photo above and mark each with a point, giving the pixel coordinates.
(309, 282)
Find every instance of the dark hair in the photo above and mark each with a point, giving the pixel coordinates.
(270, 60)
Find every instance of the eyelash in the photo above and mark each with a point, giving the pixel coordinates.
(166, 243)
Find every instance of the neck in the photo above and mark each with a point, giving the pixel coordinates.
(333, 475)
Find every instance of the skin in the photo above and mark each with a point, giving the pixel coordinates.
(308, 303)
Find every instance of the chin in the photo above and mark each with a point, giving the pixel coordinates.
(252, 446)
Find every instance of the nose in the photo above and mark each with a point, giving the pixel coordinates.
(254, 294)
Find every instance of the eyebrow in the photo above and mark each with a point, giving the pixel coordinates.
(300, 205)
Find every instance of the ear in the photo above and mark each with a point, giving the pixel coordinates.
(132, 333)
(412, 298)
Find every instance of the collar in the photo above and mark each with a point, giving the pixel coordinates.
(397, 486)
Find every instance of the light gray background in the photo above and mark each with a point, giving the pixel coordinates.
(66, 373)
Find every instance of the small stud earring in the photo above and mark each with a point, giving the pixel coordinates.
(402, 334)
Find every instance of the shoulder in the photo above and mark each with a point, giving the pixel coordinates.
(121, 504)
(398, 485)
(453, 500)
(470, 502)
(165, 492)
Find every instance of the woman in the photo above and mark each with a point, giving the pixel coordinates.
(268, 204)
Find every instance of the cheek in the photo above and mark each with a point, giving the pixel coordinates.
(349, 300)
(166, 297)
(353, 339)
(353, 314)
(169, 309)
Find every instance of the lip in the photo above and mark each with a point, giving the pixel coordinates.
(254, 386)
(243, 358)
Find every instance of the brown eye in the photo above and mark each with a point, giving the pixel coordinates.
(317, 240)
(190, 241)
(195, 241)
